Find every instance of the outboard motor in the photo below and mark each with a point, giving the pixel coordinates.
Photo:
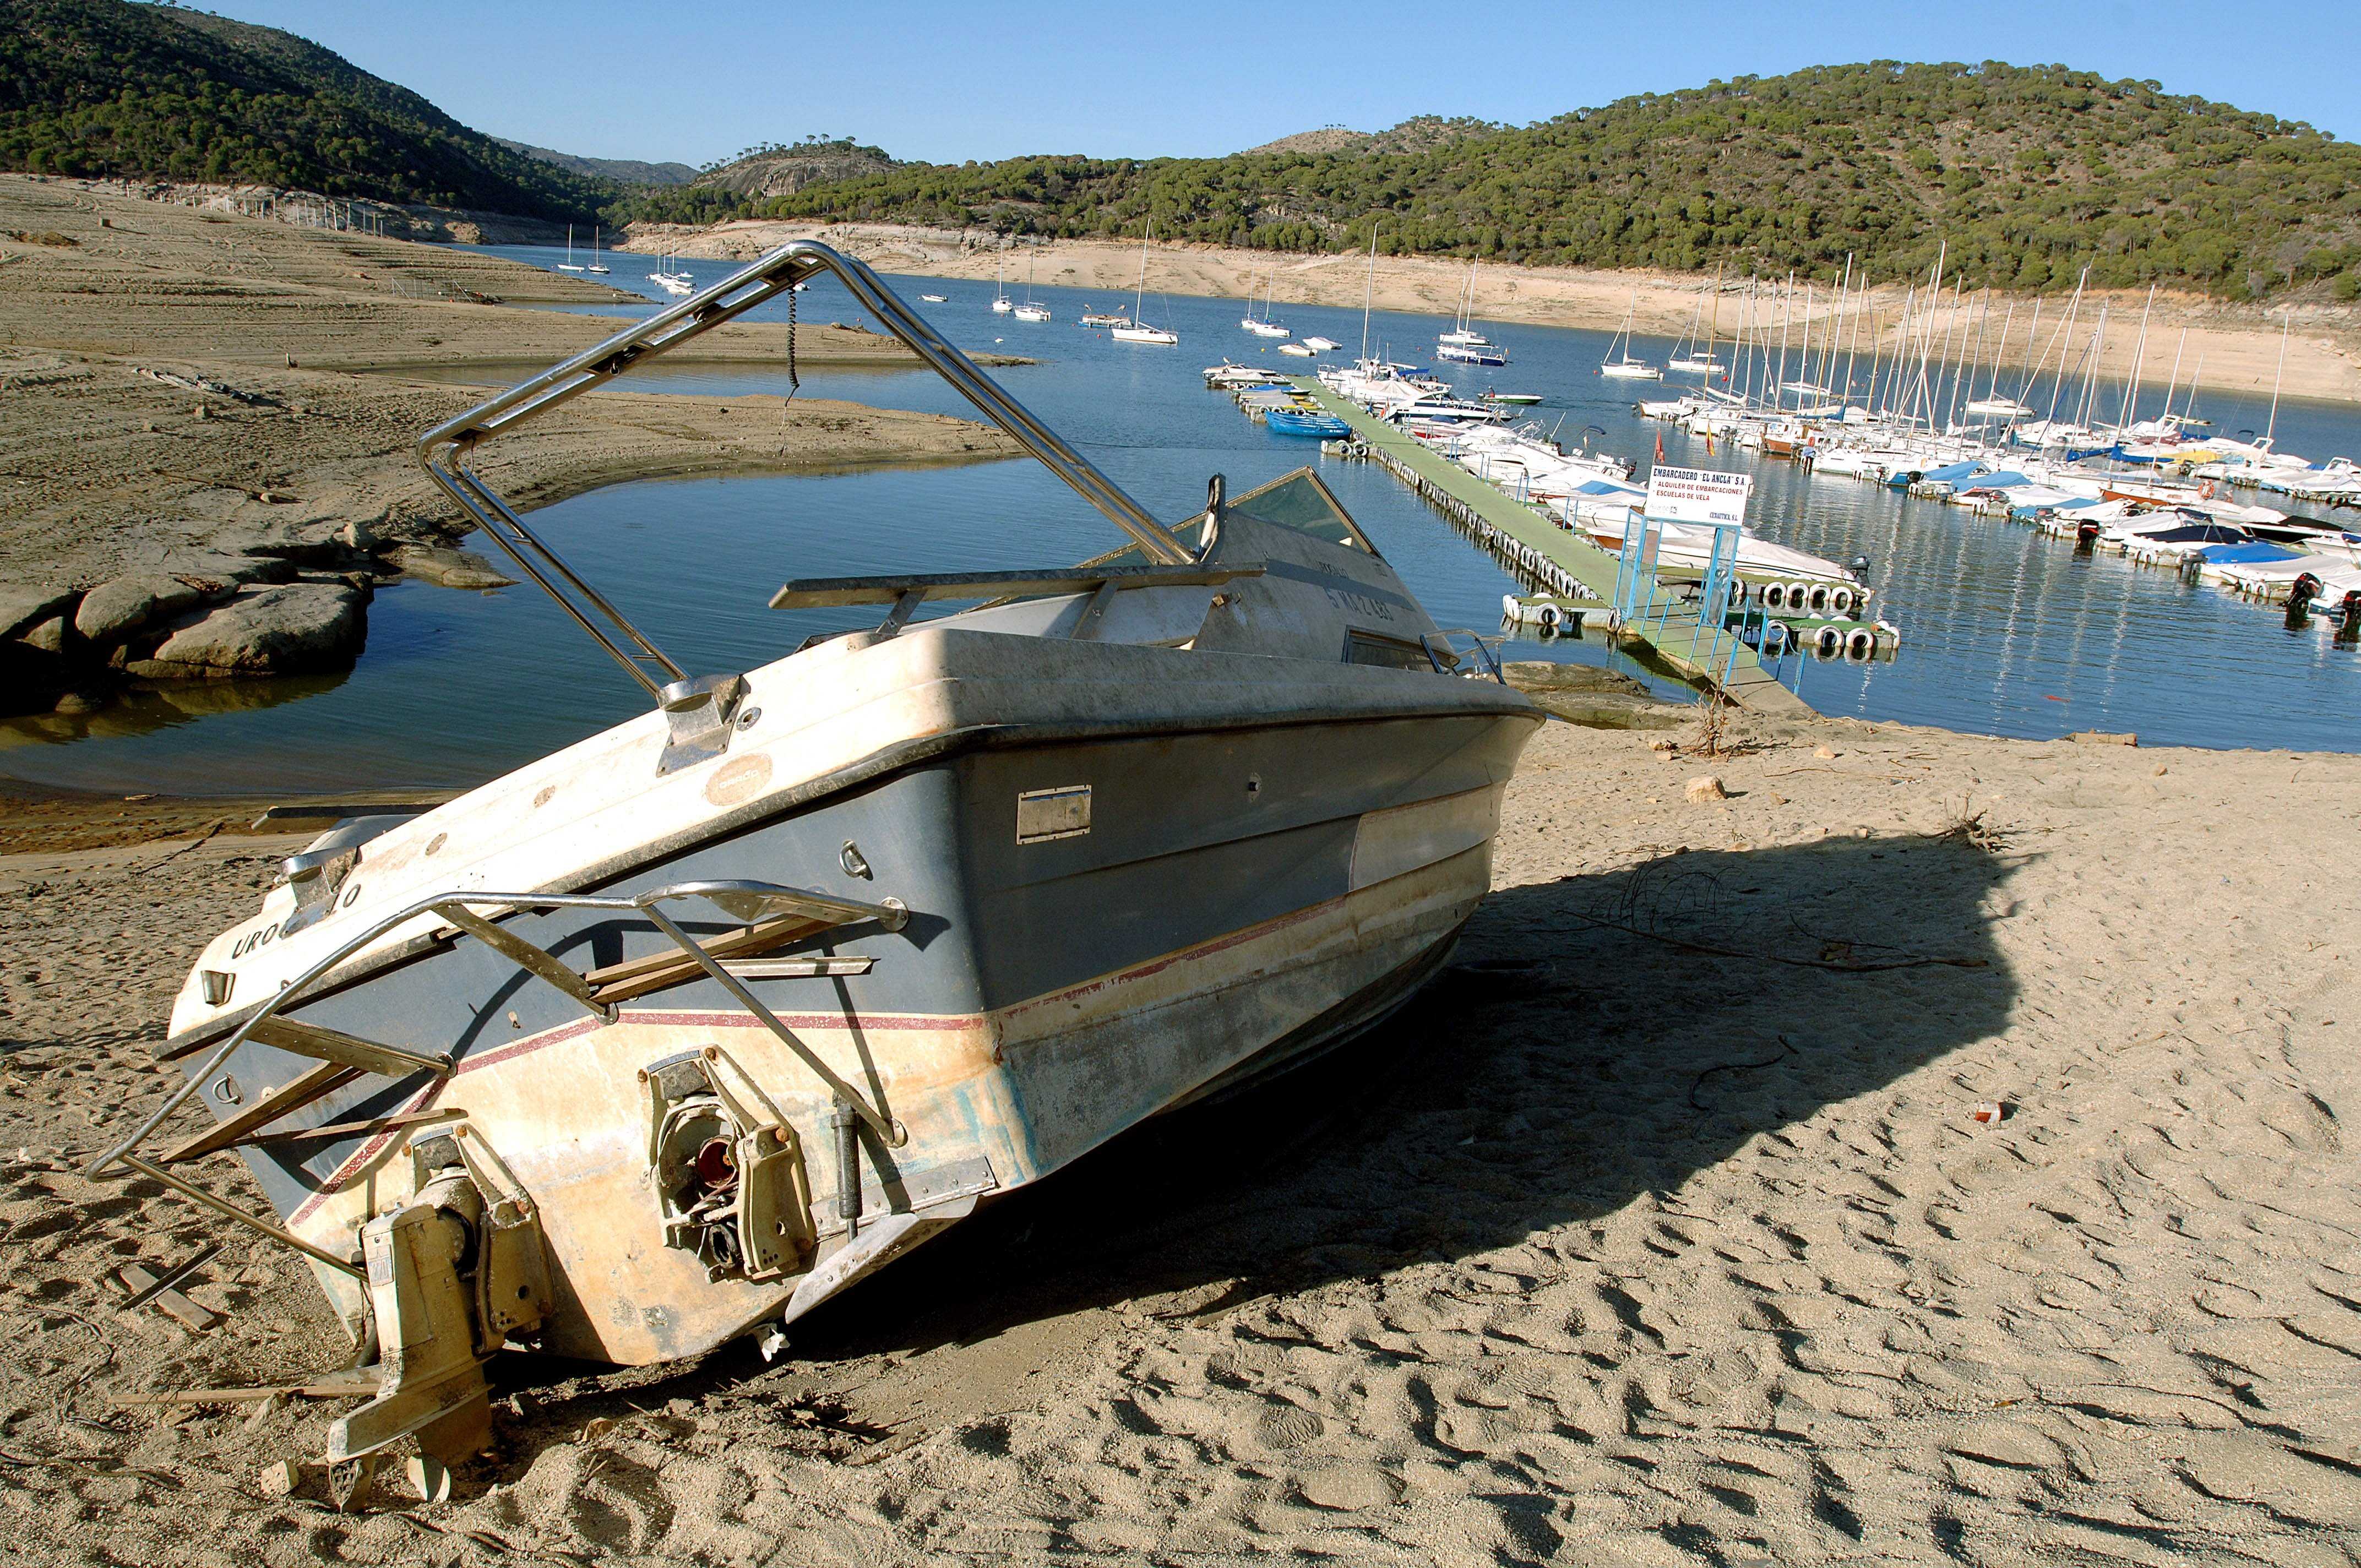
(2300, 593)
(2349, 617)
(2086, 537)
(1859, 567)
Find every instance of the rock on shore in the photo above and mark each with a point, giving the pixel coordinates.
(288, 629)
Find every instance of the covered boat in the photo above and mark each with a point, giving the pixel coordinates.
(679, 1031)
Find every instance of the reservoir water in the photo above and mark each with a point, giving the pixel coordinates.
(2003, 631)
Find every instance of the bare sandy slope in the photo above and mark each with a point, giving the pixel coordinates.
(169, 376)
(1681, 1246)
(2239, 344)
(138, 276)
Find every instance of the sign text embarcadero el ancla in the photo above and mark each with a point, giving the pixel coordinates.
(1697, 495)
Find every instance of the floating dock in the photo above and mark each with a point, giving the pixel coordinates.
(1556, 560)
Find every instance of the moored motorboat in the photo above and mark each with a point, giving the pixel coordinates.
(692, 1024)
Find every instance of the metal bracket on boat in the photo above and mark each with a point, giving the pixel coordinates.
(698, 718)
(344, 1057)
(443, 451)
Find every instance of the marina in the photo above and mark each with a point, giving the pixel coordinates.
(2007, 632)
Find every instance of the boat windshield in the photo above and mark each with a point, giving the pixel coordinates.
(1300, 501)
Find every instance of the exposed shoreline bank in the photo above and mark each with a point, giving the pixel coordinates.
(2239, 344)
(206, 461)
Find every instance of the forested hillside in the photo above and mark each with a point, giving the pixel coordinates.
(2028, 172)
(103, 87)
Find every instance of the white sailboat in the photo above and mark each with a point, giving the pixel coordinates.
(1263, 326)
(1137, 330)
(670, 278)
(1001, 303)
(1029, 311)
(597, 256)
(1627, 368)
(569, 265)
(1463, 333)
(1699, 361)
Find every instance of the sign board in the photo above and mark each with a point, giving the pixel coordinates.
(1697, 495)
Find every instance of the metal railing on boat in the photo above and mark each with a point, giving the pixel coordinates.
(341, 1057)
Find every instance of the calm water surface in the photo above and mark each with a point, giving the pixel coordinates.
(2003, 631)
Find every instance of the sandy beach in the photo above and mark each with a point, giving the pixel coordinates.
(2239, 344)
(1659, 1231)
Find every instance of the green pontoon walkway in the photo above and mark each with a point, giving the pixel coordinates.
(1676, 640)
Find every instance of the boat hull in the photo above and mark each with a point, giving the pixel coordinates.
(1238, 895)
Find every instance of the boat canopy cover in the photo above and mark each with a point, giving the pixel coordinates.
(2073, 503)
(1952, 472)
(2188, 532)
(2221, 555)
(2006, 480)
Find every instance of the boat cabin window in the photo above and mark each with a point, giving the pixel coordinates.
(1300, 501)
(1385, 653)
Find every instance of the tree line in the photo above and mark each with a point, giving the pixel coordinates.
(2028, 173)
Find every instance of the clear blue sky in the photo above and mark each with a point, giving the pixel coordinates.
(941, 82)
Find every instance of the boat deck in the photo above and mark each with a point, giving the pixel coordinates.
(1453, 489)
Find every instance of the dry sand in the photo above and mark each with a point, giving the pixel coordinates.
(105, 466)
(2239, 344)
(1681, 1247)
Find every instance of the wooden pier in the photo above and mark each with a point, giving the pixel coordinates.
(1552, 560)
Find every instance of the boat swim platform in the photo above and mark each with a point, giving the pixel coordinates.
(1459, 494)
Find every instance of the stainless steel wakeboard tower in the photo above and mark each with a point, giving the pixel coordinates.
(699, 710)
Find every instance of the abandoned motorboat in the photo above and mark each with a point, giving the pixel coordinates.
(692, 1024)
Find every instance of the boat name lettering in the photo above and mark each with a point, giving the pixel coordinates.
(1360, 604)
(252, 940)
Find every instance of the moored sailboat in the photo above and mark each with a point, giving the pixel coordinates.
(1137, 329)
(1622, 366)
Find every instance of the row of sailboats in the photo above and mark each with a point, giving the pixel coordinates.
(1030, 310)
(596, 263)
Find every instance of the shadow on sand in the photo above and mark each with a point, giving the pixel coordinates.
(1564, 1065)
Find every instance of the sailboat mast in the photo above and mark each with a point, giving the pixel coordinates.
(1992, 388)
(2172, 382)
(2128, 407)
(1713, 323)
(2287, 324)
(2066, 337)
(1140, 295)
(1369, 288)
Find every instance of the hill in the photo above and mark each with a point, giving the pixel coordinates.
(107, 87)
(2027, 171)
(1421, 133)
(615, 171)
